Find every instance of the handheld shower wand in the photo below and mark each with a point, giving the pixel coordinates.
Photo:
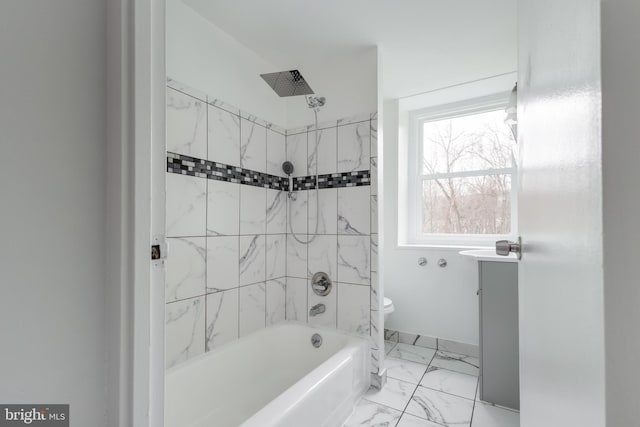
(314, 103)
(287, 168)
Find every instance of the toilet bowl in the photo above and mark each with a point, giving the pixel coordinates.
(388, 308)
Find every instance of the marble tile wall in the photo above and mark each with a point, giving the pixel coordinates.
(234, 265)
(342, 233)
(226, 224)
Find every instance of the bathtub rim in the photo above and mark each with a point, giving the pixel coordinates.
(284, 401)
(344, 353)
(284, 325)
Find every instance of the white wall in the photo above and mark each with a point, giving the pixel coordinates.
(348, 83)
(621, 151)
(53, 198)
(204, 57)
(432, 301)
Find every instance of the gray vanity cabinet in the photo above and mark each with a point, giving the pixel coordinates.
(499, 366)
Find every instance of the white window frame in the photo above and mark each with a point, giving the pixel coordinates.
(415, 176)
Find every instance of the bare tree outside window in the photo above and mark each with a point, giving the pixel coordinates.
(467, 167)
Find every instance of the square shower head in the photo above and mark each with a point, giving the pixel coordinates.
(287, 83)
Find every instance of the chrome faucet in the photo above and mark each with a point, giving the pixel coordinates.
(317, 309)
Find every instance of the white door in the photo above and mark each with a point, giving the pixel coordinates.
(560, 214)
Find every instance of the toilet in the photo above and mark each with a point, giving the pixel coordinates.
(388, 308)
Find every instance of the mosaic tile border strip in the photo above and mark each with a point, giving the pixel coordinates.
(193, 166)
(333, 180)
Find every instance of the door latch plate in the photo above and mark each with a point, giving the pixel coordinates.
(159, 249)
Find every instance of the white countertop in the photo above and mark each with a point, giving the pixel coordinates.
(488, 255)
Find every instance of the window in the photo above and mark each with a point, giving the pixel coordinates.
(462, 175)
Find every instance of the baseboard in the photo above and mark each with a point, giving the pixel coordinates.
(379, 379)
(432, 342)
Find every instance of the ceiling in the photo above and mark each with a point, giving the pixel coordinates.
(425, 44)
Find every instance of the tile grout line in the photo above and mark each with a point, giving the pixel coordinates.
(266, 204)
(416, 389)
(206, 240)
(474, 399)
(473, 409)
(239, 225)
(371, 308)
(286, 239)
(337, 220)
(266, 198)
(337, 254)
(306, 225)
(337, 224)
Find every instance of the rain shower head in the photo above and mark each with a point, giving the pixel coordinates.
(287, 83)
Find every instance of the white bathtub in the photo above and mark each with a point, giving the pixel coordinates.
(274, 377)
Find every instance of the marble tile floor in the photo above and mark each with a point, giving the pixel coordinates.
(428, 388)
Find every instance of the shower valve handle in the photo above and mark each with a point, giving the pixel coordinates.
(321, 284)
